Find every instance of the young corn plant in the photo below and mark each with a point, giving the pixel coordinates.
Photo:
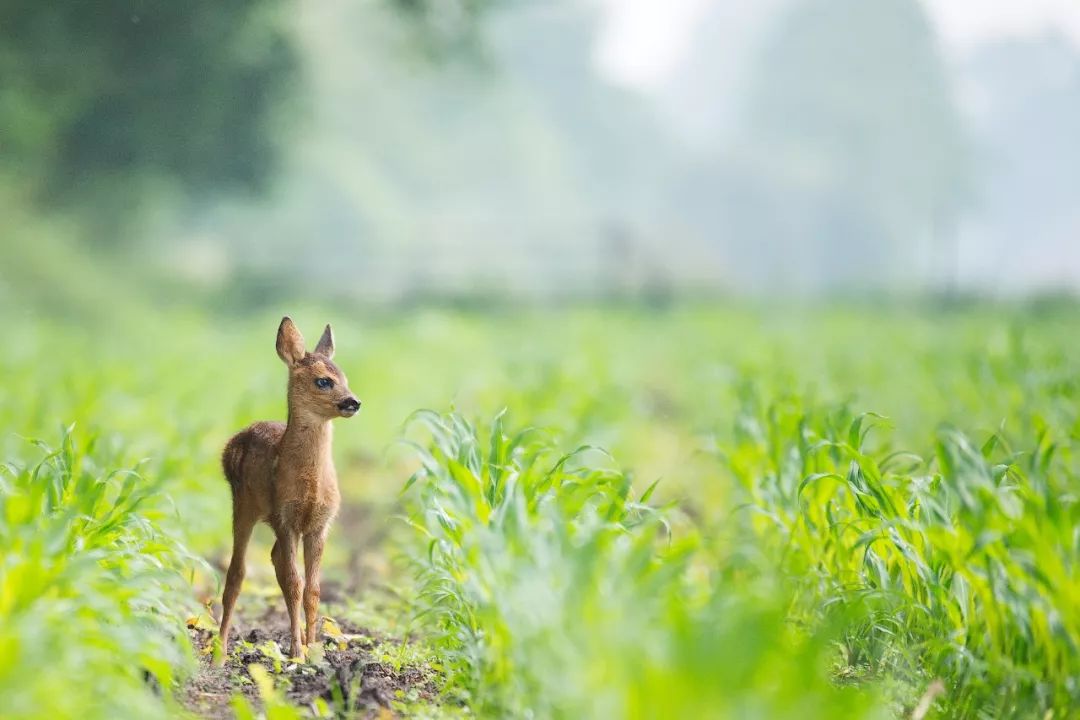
(554, 591)
(964, 567)
(92, 594)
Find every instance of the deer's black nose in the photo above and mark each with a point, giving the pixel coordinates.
(349, 404)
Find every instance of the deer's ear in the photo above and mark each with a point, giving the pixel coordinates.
(290, 343)
(326, 344)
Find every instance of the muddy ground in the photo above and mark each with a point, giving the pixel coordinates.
(359, 670)
(357, 674)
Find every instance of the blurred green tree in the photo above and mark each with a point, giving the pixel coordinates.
(109, 104)
(104, 96)
(443, 28)
(850, 140)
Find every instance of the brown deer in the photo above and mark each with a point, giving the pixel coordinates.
(283, 474)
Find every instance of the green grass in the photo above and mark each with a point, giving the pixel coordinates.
(798, 556)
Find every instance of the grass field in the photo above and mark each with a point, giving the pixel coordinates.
(696, 511)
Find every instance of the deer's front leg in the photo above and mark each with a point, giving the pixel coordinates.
(288, 577)
(313, 551)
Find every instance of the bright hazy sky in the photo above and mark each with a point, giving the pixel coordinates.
(644, 41)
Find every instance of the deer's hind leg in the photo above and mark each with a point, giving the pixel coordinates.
(234, 578)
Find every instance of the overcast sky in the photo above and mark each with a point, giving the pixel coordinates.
(643, 42)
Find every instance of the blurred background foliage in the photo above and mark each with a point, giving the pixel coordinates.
(393, 151)
(105, 98)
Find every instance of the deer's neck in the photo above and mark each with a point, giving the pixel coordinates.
(307, 441)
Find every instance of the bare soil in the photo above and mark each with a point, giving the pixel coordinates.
(349, 678)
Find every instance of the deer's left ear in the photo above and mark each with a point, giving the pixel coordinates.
(326, 344)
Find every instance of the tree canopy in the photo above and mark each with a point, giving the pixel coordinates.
(123, 90)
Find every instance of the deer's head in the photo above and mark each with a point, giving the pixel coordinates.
(317, 387)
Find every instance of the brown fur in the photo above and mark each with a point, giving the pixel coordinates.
(283, 474)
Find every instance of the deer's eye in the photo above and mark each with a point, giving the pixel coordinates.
(324, 383)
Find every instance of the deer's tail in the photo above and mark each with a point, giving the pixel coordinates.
(232, 457)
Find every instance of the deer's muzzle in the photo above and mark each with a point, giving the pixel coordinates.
(349, 406)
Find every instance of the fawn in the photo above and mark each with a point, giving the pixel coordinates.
(283, 474)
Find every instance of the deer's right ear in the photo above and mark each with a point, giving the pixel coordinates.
(290, 343)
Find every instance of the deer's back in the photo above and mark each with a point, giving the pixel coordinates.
(248, 461)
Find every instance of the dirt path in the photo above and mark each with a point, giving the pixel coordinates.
(357, 672)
